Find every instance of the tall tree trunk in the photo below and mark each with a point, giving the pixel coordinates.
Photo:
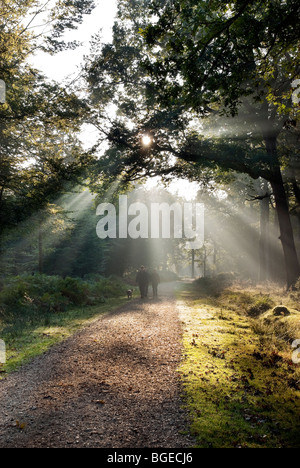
(204, 262)
(193, 263)
(215, 256)
(296, 190)
(41, 249)
(1, 201)
(264, 247)
(282, 207)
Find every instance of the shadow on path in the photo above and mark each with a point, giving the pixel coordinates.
(112, 385)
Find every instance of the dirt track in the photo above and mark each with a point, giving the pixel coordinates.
(113, 385)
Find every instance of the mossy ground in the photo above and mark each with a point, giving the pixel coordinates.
(241, 386)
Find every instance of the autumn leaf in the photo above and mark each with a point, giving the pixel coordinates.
(20, 425)
(100, 402)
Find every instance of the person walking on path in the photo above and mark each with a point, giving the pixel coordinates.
(143, 279)
(155, 280)
(128, 394)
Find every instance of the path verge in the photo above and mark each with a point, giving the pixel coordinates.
(112, 385)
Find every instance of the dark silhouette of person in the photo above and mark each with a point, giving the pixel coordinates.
(155, 280)
(143, 279)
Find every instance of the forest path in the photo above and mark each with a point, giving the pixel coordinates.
(112, 385)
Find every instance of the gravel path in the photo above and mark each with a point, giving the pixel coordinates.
(112, 385)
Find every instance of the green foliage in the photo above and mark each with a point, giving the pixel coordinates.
(109, 287)
(42, 294)
(201, 62)
(77, 251)
(262, 305)
(75, 290)
(38, 311)
(222, 51)
(40, 156)
(213, 286)
(296, 292)
(277, 332)
(242, 389)
(28, 335)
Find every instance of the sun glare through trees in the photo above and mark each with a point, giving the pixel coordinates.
(150, 189)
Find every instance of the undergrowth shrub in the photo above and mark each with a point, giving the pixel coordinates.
(262, 305)
(295, 295)
(75, 290)
(108, 288)
(276, 332)
(213, 286)
(41, 293)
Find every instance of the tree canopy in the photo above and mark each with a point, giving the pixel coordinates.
(176, 70)
(39, 152)
(202, 91)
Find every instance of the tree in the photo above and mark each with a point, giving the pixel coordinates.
(39, 156)
(172, 63)
(242, 58)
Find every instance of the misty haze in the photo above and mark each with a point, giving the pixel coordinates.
(149, 226)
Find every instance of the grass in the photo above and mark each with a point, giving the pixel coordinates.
(38, 311)
(29, 336)
(242, 388)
